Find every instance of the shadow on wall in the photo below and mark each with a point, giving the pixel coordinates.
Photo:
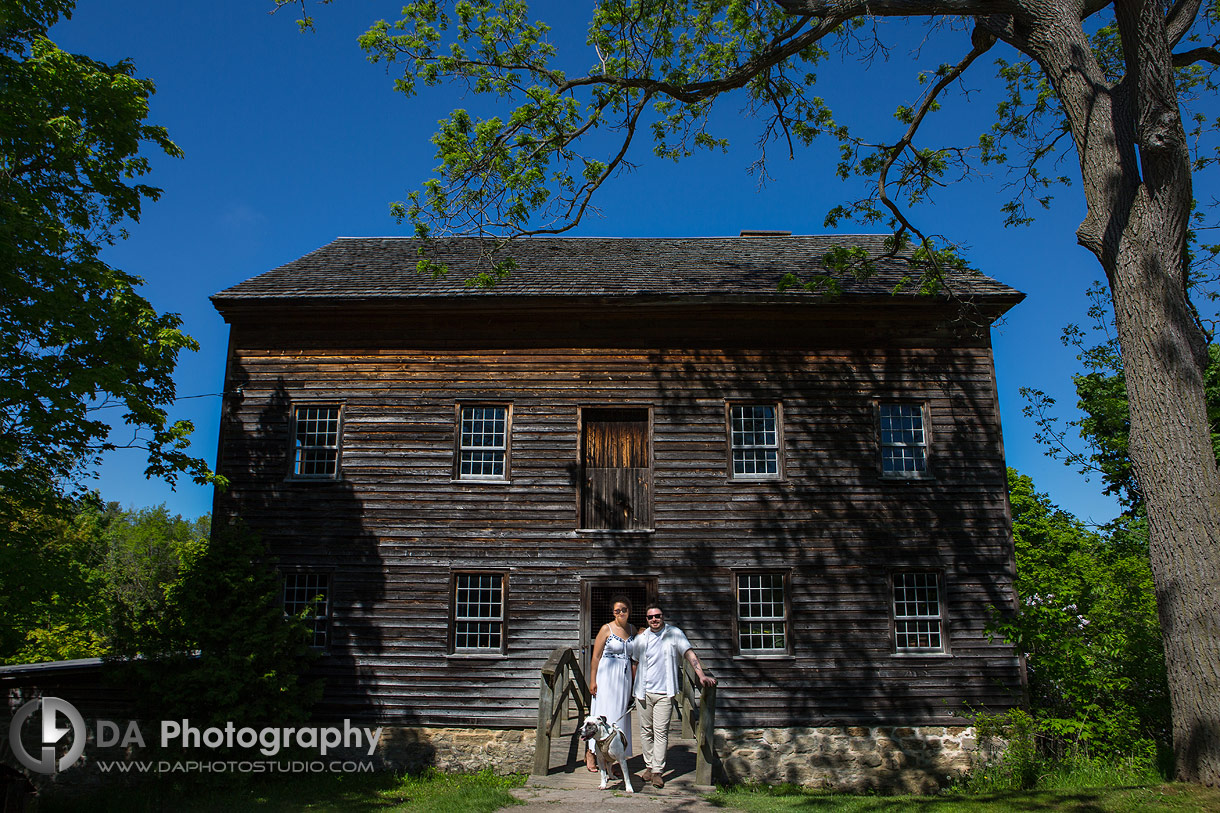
(315, 530)
(842, 530)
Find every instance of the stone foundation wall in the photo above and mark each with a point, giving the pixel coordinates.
(458, 749)
(918, 759)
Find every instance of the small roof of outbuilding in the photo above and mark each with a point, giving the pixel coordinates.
(653, 268)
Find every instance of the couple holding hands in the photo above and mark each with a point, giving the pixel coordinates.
(640, 665)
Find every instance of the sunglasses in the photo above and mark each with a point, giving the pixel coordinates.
(622, 610)
(654, 615)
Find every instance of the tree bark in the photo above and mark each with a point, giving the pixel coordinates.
(1176, 469)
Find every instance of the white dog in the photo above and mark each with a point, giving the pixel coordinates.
(609, 744)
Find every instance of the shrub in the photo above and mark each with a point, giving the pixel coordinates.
(224, 650)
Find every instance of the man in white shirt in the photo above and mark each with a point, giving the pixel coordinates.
(659, 650)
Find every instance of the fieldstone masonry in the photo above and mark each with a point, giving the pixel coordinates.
(849, 758)
(458, 749)
(918, 759)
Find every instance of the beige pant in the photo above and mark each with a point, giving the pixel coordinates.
(655, 712)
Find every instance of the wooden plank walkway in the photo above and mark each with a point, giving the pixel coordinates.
(567, 764)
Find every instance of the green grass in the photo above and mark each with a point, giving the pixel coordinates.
(431, 792)
(484, 792)
(1177, 798)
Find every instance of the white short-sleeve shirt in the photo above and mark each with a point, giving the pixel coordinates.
(659, 656)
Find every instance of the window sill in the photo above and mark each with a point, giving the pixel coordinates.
(932, 655)
(905, 478)
(739, 480)
(476, 656)
(615, 531)
(481, 481)
(764, 656)
(296, 478)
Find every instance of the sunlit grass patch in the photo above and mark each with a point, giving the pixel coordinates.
(430, 792)
(1177, 798)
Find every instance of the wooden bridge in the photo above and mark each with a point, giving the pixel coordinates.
(563, 703)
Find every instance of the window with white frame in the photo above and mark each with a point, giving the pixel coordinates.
(904, 440)
(762, 616)
(478, 612)
(315, 446)
(483, 442)
(918, 618)
(307, 595)
(754, 440)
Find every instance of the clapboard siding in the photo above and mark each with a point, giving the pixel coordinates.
(396, 525)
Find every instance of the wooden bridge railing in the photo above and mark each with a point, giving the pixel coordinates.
(562, 678)
(697, 705)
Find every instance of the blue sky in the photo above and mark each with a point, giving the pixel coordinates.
(293, 139)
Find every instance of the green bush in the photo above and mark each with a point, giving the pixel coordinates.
(1087, 626)
(223, 649)
(1021, 752)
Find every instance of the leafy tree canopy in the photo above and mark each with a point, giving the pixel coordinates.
(87, 578)
(201, 610)
(1087, 625)
(78, 338)
(660, 69)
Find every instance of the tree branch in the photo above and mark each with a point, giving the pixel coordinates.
(585, 194)
(981, 44)
(685, 93)
(1181, 60)
(1180, 19)
(846, 9)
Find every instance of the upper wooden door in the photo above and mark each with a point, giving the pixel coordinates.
(616, 464)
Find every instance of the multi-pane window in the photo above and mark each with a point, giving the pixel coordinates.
(478, 612)
(754, 440)
(315, 446)
(483, 442)
(307, 595)
(761, 615)
(904, 440)
(917, 613)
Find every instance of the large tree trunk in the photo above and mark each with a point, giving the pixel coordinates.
(1176, 467)
(1135, 166)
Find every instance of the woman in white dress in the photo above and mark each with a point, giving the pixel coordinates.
(611, 672)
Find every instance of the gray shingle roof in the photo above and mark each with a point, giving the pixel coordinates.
(720, 268)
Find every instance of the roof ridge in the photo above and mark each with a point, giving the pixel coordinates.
(728, 268)
(855, 235)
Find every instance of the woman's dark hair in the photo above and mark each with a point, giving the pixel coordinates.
(620, 600)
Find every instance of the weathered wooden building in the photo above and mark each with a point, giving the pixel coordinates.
(813, 484)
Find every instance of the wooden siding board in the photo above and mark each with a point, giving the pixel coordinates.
(396, 524)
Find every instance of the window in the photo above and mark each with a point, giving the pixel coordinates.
(483, 442)
(754, 441)
(904, 440)
(478, 612)
(308, 595)
(761, 613)
(917, 613)
(315, 446)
